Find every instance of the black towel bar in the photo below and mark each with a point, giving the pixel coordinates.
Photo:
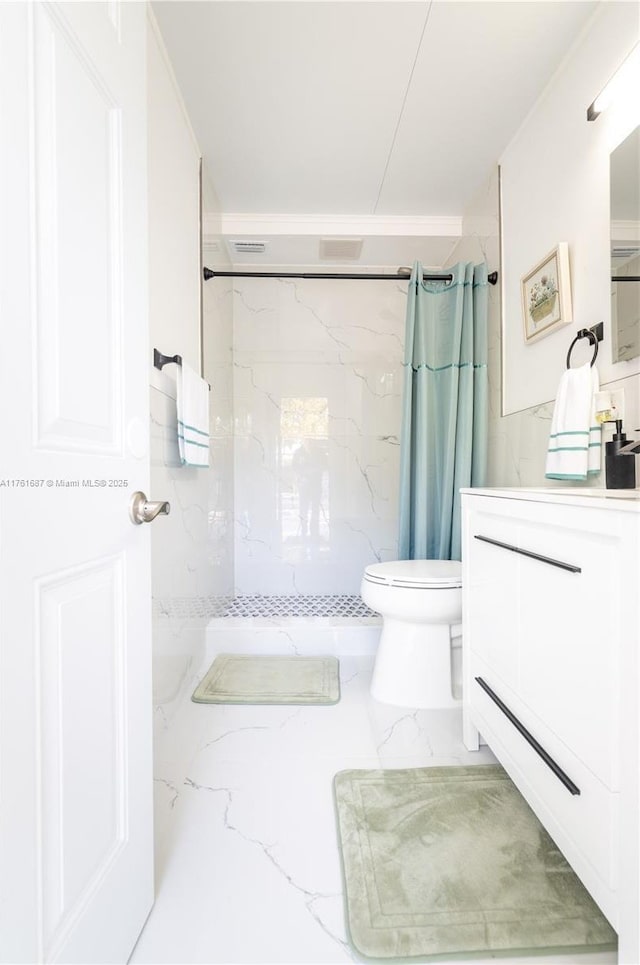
(160, 360)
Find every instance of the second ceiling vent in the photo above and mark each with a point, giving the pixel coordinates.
(249, 247)
(340, 249)
(625, 251)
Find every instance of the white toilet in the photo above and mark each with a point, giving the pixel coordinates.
(420, 601)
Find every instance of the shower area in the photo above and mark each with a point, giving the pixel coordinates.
(316, 382)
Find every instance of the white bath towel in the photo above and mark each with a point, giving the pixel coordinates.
(192, 400)
(575, 440)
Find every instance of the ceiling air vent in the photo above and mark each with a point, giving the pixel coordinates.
(625, 252)
(340, 249)
(249, 247)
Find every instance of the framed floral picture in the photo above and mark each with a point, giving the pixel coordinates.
(546, 295)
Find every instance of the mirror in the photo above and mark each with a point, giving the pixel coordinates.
(625, 248)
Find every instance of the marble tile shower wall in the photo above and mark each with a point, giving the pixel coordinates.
(317, 394)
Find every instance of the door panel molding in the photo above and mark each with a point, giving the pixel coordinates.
(80, 632)
(79, 305)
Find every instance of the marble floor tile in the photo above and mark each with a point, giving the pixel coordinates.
(247, 863)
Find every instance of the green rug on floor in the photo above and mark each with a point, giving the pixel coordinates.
(252, 679)
(448, 861)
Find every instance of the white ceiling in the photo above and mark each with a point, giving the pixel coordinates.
(375, 108)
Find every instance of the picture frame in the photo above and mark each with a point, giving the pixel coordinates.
(546, 295)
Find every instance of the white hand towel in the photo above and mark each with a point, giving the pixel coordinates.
(575, 439)
(595, 429)
(192, 400)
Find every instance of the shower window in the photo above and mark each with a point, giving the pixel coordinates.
(304, 477)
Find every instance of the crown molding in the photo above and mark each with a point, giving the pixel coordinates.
(405, 226)
(625, 230)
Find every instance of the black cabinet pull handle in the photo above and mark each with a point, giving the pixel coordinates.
(530, 739)
(534, 556)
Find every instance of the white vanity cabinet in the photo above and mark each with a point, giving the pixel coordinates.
(551, 631)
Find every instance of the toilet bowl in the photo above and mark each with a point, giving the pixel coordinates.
(419, 602)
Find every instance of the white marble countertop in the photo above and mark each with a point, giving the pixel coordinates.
(624, 500)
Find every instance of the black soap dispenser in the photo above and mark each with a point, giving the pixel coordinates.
(620, 470)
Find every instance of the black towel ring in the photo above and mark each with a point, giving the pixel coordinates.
(584, 333)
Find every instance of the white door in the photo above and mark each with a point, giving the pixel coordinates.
(75, 737)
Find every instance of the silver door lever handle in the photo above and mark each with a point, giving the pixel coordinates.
(143, 510)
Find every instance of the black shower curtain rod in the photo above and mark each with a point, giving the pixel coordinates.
(492, 278)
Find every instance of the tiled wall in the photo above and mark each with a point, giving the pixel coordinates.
(317, 390)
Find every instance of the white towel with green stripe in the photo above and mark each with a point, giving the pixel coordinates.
(575, 439)
(192, 401)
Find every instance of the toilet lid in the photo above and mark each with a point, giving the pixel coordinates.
(416, 573)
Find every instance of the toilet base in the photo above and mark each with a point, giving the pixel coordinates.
(413, 666)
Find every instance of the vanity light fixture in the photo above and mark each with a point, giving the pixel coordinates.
(624, 84)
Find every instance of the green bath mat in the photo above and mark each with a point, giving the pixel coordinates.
(448, 861)
(249, 679)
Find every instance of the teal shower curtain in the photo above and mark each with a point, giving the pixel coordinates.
(444, 419)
